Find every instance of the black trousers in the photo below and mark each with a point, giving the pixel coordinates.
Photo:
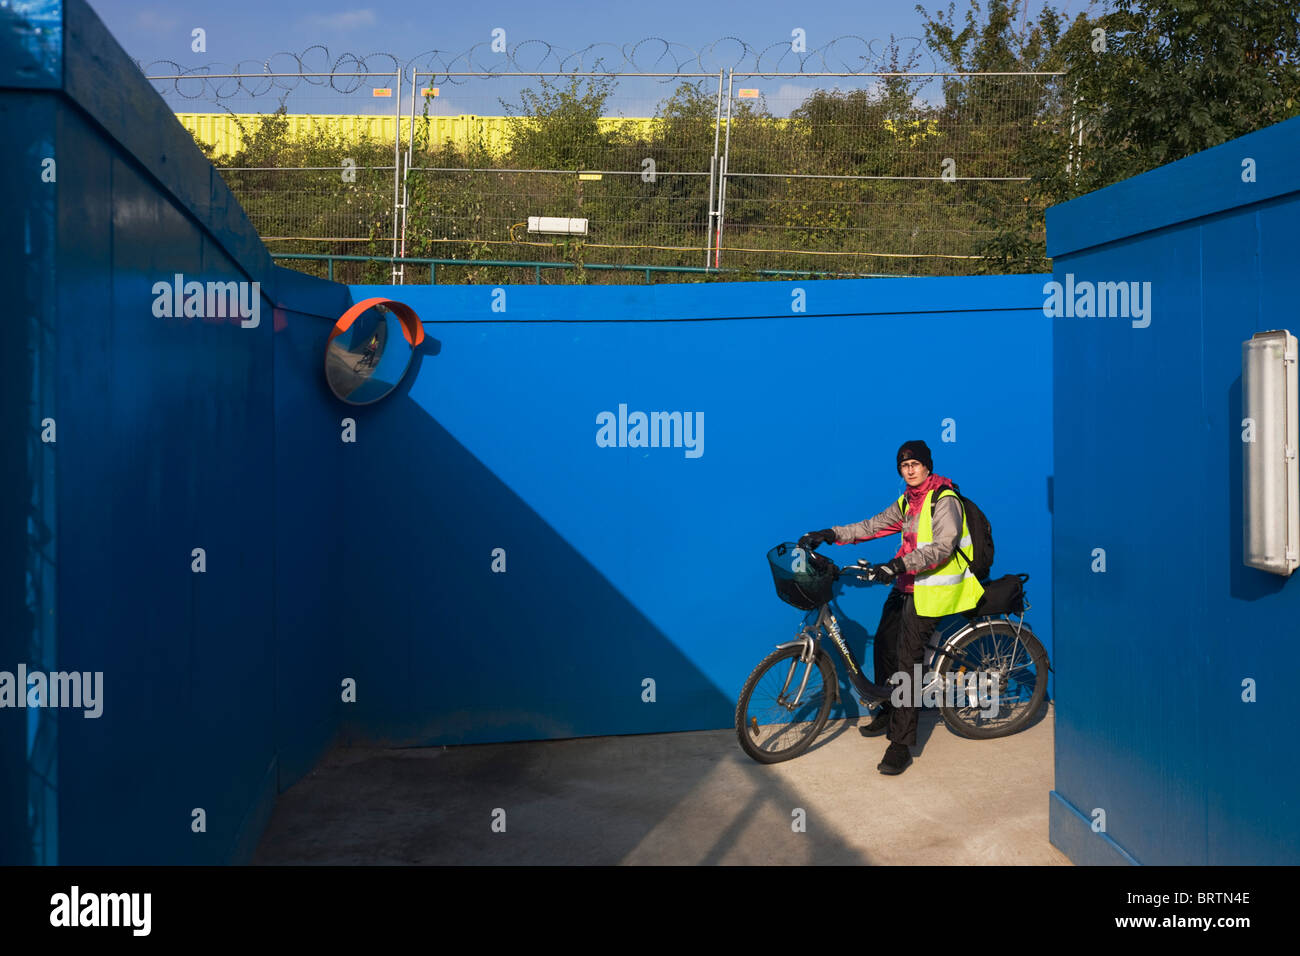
(900, 645)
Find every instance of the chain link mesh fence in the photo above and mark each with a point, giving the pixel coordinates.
(901, 173)
(849, 173)
(312, 157)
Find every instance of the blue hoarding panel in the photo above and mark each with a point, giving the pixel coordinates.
(1165, 721)
(628, 564)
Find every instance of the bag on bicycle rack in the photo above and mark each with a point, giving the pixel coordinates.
(1004, 595)
(803, 577)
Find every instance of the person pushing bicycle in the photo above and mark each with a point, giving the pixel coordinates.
(931, 576)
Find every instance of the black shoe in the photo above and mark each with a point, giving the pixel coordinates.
(897, 758)
(877, 725)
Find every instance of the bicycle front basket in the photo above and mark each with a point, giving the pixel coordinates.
(803, 577)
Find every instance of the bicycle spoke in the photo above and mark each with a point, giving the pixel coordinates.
(1010, 658)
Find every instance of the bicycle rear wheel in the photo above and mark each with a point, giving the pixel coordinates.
(1017, 666)
(770, 725)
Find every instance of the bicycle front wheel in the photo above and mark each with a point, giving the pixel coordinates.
(784, 704)
(1010, 666)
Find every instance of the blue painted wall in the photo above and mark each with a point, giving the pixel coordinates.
(1151, 655)
(221, 687)
(631, 563)
(372, 560)
(28, 69)
(312, 552)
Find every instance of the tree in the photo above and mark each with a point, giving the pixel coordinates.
(561, 128)
(1147, 83)
(999, 126)
(1177, 77)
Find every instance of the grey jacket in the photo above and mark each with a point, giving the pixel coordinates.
(946, 531)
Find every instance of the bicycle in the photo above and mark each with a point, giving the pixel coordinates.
(962, 665)
(369, 358)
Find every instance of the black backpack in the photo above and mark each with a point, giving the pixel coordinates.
(981, 534)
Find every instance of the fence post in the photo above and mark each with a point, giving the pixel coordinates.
(713, 167)
(397, 177)
(722, 175)
(406, 168)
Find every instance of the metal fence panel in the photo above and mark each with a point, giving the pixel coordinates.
(631, 154)
(842, 172)
(313, 157)
(881, 171)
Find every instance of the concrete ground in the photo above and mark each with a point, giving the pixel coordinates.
(682, 798)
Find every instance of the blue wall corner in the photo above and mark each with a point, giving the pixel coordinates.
(1071, 832)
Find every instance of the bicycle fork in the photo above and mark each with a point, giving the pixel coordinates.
(807, 641)
(870, 693)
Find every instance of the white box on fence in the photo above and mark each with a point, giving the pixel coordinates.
(557, 225)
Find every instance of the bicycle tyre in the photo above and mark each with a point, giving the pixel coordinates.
(798, 735)
(990, 645)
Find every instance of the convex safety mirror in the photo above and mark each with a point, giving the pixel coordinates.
(370, 349)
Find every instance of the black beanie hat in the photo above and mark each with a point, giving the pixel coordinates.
(914, 449)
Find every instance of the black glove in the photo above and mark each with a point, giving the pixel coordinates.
(812, 539)
(885, 573)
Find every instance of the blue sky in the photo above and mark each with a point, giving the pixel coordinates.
(251, 33)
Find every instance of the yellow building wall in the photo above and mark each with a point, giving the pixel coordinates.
(222, 129)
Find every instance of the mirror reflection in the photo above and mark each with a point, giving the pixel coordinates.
(366, 361)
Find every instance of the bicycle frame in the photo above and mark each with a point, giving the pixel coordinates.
(939, 646)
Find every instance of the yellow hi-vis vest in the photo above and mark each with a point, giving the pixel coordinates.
(951, 587)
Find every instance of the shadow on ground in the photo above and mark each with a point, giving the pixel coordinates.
(683, 798)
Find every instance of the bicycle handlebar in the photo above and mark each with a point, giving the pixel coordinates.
(860, 571)
(863, 571)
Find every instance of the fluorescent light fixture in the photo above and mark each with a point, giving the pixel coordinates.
(557, 226)
(1270, 435)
